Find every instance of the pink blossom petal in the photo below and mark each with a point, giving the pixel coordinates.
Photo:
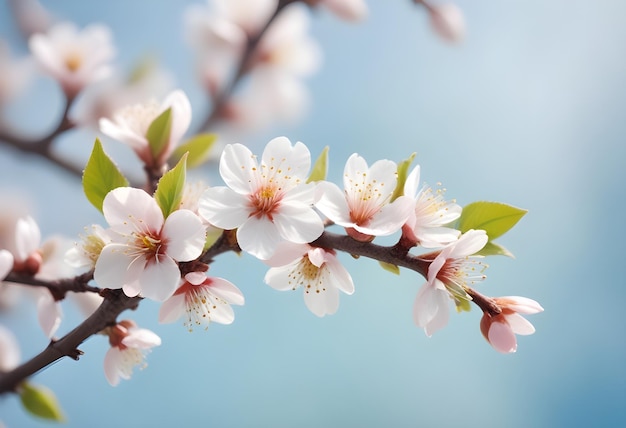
(224, 208)
(430, 309)
(49, 313)
(6, 263)
(185, 235)
(126, 207)
(159, 280)
(258, 237)
(297, 222)
(331, 201)
(172, 309)
(303, 193)
(322, 302)
(355, 167)
(469, 243)
(239, 169)
(27, 238)
(318, 256)
(522, 305)
(280, 154)
(441, 317)
(502, 338)
(114, 268)
(196, 278)
(339, 276)
(348, 10)
(141, 338)
(9, 350)
(123, 134)
(389, 219)
(412, 183)
(112, 361)
(181, 115)
(278, 277)
(286, 253)
(132, 288)
(227, 291)
(519, 324)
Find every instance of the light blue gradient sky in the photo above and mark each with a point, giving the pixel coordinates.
(529, 110)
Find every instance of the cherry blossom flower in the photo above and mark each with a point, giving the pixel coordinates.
(105, 97)
(286, 47)
(250, 15)
(145, 248)
(204, 300)
(9, 350)
(447, 22)
(268, 202)
(130, 125)
(425, 225)
(500, 330)
(86, 253)
(129, 344)
(364, 208)
(449, 272)
(348, 10)
(74, 58)
(14, 73)
(316, 270)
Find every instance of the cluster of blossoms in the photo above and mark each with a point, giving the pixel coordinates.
(272, 207)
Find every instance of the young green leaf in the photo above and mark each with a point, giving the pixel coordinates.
(40, 401)
(494, 249)
(170, 189)
(495, 218)
(158, 133)
(198, 148)
(320, 168)
(101, 176)
(390, 267)
(403, 172)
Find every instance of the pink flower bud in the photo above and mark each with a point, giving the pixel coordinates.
(500, 330)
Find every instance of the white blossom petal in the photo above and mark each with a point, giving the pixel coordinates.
(224, 208)
(172, 309)
(258, 237)
(239, 168)
(297, 222)
(331, 201)
(125, 208)
(6, 263)
(185, 235)
(519, 324)
(9, 350)
(141, 338)
(502, 338)
(159, 280)
(49, 313)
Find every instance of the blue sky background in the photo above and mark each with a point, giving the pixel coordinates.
(529, 110)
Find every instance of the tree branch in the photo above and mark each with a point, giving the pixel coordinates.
(115, 302)
(59, 287)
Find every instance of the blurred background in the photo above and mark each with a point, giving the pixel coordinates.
(527, 110)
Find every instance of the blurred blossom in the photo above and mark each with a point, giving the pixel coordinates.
(14, 73)
(130, 125)
(287, 47)
(9, 350)
(102, 99)
(267, 98)
(85, 254)
(348, 10)
(447, 21)
(250, 15)
(31, 17)
(74, 58)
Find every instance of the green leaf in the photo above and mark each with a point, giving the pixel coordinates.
(40, 401)
(390, 267)
(320, 168)
(101, 176)
(169, 191)
(495, 218)
(493, 249)
(158, 133)
(403, 172)
(198, 148)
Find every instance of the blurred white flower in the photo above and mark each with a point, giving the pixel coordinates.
(31, 17)
(9, 350)
(447, 21)
(348, 10)
(14, 73)
(74, 58)
(130, 125)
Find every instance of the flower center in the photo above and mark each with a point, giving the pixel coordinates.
(307, 275)
(73, 62)
(265, 201)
